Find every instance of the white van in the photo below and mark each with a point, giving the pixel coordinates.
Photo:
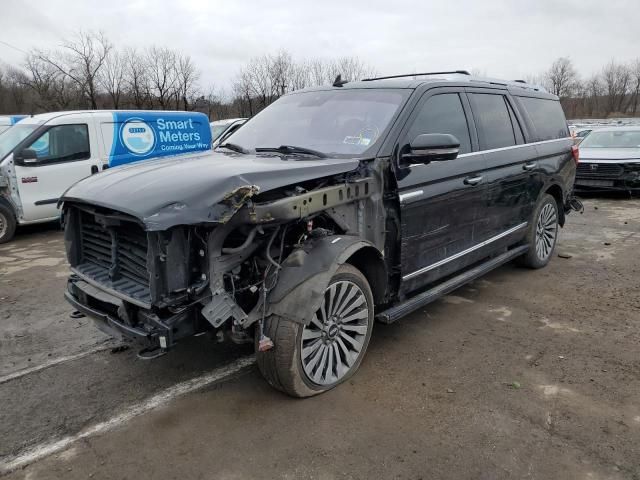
(43, 155)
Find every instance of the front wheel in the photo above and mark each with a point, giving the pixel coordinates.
(542, 234)
(7, 223)
(310, 359)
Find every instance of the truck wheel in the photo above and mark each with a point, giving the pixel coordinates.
(7, 223)
(310, 359)
(542, 234)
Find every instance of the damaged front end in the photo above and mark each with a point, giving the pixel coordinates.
(159, 286)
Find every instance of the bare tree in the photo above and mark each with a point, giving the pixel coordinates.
(280, 68)
(634, 72)
(80, 59)
(243, 92)
(112, 76)
(51, 89)
(13, 95)
(42, 79)
(561, 78)
(162, 73)
(136, 77)
(187, 76)
(616, 78)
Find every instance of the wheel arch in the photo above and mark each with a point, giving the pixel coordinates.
(7, 203)
(370, 262)
(306, 272)
(556, 192)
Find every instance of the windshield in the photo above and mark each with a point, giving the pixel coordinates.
(335, 122)
(13, 136)
(612, 139)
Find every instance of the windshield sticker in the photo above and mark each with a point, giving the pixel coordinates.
(352, 140)
(365, 137)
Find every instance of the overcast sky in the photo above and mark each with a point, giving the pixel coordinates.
(501, 38)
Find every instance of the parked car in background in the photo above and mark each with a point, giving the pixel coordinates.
(610, 160)
(332, 207)
(579, 133)
(6, 121)
(43, 155)
(223, 128)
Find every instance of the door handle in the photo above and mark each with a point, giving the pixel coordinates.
(472, 180)
(94, 169)
(529, 166)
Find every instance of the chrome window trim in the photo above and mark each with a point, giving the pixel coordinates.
(502, 149)
(444, 261)
(511, 147)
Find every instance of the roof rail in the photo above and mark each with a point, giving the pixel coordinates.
(461, 72)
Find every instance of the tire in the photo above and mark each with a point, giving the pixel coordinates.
(542, 234)
(7, 223)
(284, 366)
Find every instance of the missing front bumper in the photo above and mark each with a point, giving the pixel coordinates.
(118, 319)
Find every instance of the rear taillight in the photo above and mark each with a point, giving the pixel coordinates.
(575, 151)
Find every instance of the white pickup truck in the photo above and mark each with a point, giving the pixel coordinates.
(43, 155)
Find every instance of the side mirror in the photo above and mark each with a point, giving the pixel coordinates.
(432, 147)
(27, 155)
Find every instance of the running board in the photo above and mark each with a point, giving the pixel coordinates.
(424, 298)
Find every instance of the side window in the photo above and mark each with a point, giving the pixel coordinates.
(547, 117)
(62, 143)
(492, 120)
(443, 113)
(516, 125)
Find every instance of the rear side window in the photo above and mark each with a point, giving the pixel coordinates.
(492, 120)
(442, 114)
(547, 117)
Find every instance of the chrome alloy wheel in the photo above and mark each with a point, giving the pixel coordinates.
(546, 231)
(333, 341)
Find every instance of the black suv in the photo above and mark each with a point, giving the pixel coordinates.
(331, 208)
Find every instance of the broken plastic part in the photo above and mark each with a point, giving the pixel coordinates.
(265, 344)
(150, 353)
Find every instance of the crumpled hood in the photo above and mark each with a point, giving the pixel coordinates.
(604, 154)
(203, 187)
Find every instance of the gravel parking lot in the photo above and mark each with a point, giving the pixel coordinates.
(521, 374)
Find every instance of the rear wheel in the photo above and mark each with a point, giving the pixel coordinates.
(7, 223)
(310, 359)
(543, 233)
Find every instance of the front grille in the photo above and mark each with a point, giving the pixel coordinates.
(115, 256)
(600, 170)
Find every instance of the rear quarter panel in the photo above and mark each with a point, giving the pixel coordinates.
(556, 165)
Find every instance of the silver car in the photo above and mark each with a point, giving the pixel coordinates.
(224, 128)
(610, 160)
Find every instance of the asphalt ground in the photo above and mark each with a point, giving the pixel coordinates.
(521, 374)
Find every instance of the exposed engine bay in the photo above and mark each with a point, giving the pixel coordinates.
(228, 276)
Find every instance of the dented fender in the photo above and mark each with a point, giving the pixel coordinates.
(306, 273)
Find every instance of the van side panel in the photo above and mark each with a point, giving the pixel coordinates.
(134, 136)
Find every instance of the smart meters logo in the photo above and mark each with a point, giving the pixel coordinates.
(137, 136)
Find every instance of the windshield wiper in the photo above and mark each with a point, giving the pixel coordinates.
(288, 149)
(233, 147)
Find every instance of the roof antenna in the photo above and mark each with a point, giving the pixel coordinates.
(338, 82)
